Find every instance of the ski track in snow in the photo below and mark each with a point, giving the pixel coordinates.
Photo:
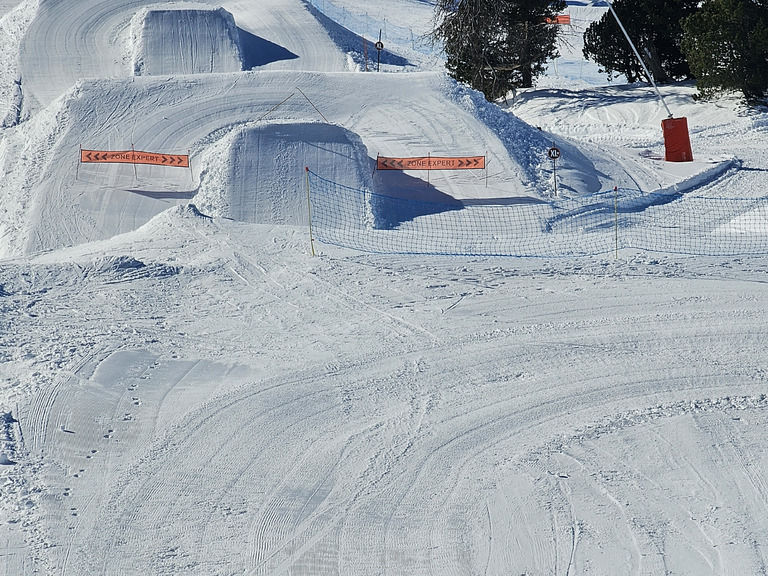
(187, 394)
(403, 440)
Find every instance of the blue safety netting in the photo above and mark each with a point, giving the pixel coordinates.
(597, 224)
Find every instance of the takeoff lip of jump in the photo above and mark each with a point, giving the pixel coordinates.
(134, 157)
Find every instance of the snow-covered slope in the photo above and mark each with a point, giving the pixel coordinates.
(202, 396)
(414, 114)
(192, 112)
(71, 41)
(186, 389)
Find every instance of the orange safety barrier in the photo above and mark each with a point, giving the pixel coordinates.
(431, 163)
(134, 157)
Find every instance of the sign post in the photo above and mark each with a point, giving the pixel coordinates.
(379, 47)
(554, 154)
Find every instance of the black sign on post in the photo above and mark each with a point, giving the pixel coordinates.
(379, 47)
(554, 154)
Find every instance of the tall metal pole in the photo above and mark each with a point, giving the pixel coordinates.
(634, 49)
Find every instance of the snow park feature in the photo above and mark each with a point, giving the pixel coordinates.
(185, 38)
(264, 182)
(185, 389)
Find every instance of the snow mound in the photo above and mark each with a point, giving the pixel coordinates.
(264, 179)
(117, 264)
(119, 268)
(189, 211)
(13, 26)
(185, 38)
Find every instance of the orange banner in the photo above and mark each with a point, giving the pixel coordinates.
(431, 163)
(134, 157)
(560, 19)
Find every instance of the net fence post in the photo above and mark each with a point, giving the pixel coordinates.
(309, 213)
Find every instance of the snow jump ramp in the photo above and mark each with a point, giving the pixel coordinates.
(265, 181)
(185, 38)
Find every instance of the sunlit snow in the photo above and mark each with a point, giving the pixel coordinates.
(185, 388)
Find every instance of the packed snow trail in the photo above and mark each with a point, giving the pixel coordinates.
(352, 413)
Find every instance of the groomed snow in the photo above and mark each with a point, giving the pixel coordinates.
(186, 389)
(185, 38)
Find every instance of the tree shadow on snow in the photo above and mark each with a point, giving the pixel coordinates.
(257, 51)
(354, 44)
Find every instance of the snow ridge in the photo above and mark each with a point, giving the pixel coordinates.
(13, 26)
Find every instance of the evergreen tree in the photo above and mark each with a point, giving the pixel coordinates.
(655, 28)
(726, 43)
(496, 46)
